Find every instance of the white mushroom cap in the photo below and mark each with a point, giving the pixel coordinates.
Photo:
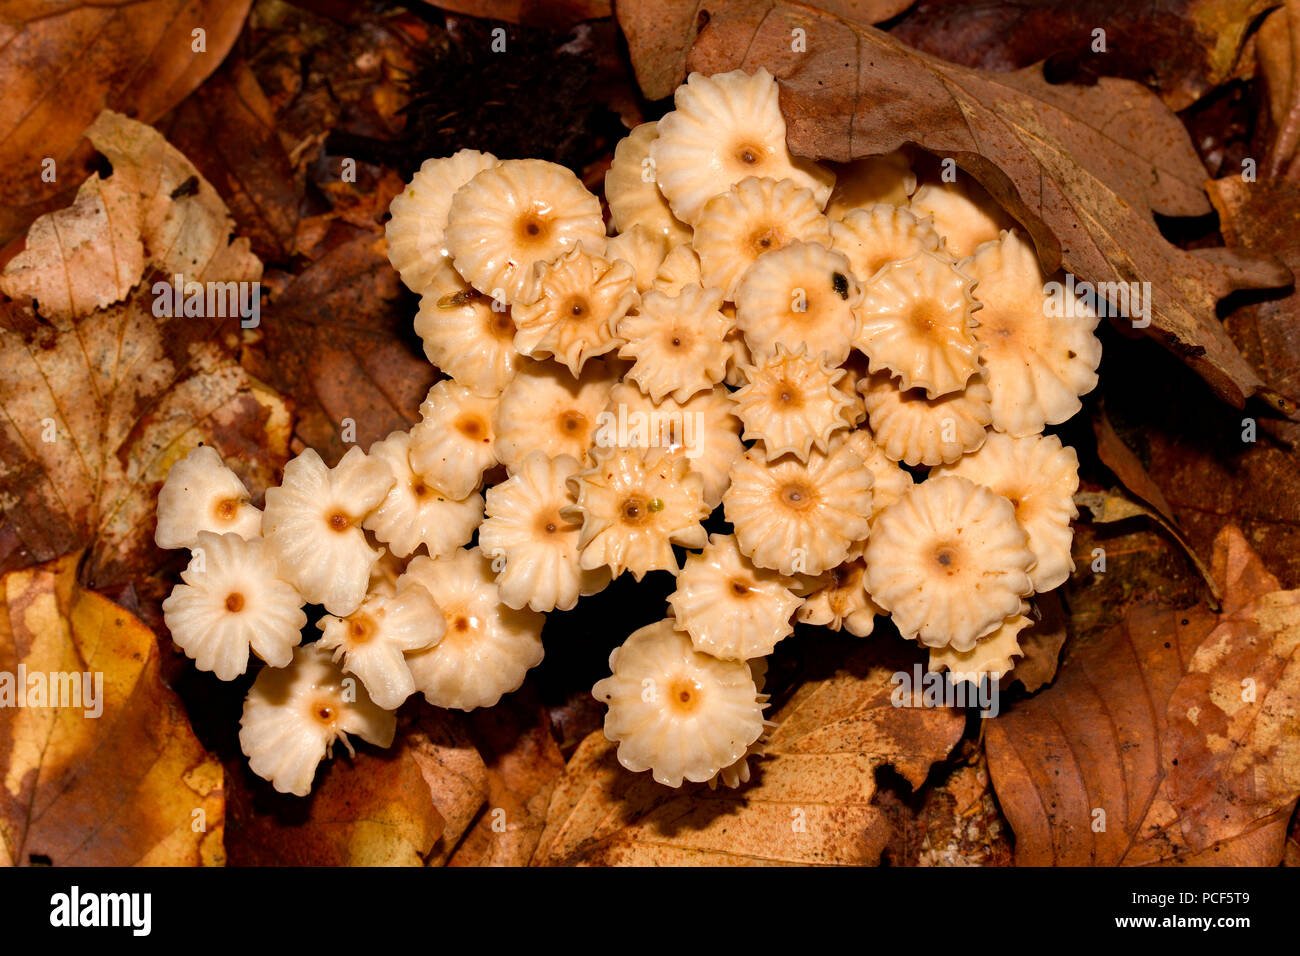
(730, 608)
(372, 641)
(233, 599)
(911, 428)
(678, 713)
(452, 445)
(539, 547)
(1039, 476)
(917, 322)
(871, 181)
(1038, 363)
(488, 647)
(676, 343)
(515, 215)
(546, 409)
(949, 561)
(416, 229)
(294, 714)
(576, 307)
(754, 217)
(632, 193)
(313, 524)
(415, 512)
(467, 335)
(791, 403)
(202, 494)
(797, 517)
(635, 504)
(802, 295)
(643, 250)
(725, 128)
(874, 237)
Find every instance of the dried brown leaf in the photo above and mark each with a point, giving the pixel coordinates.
(129, 786)
(97, 405)
(1082, 167)
(1105, 767)
(810, 801)
(61, 64)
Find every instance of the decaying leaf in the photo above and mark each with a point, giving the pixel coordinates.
(228, 130)
(110, 773)
(1041, 643)
(553, 14)
(339, 341)
(454, 771)
(1187, 47)
(810, 801)
(1110, 766)
(1083, 167)
(371, 809)
(524, 763)
(99, 403)
(960, 822)
(61, 64)
(660, 34)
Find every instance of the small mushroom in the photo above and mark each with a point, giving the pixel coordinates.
(546, 409)
(872, 238)
(730, 608)
(313, 524)
(488, 647)
(202, 494)
(633, 195)
(754, 217)
(1038, 363)
(538, 547)
(233, 600)
(678, 713)
(727, 127)
(791, 403)
(842, 602)
(452, 445)
(415, 512)
(293, 715)
(515, 215)
(797, 517)
(466, 334)
(802, 294)
(634, 505)
(917, 322)
(643, 250)
(704, 430)
(916, 430)
(416, 231)
(949, 561)
(992, 654)
(676, 343)
(372, 641)
(579, 301)
(962, 212)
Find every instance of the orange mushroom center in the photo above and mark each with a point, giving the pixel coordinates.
(234, 602)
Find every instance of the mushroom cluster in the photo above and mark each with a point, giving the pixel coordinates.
(856, 370)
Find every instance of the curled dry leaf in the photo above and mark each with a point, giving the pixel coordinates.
(810, 801)
(124, 787)
(99, 403)
(62, 63)
(1083, 167)
(1141, 753)
(1041, 643)
(441, 744)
